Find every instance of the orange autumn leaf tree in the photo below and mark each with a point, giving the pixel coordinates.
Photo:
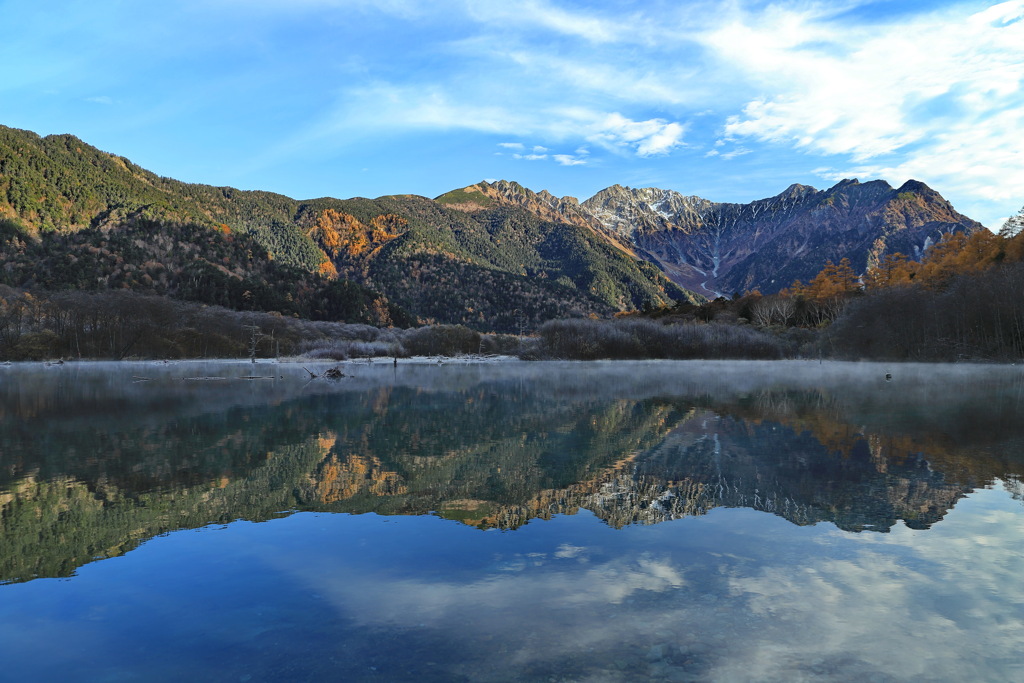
(343, 236)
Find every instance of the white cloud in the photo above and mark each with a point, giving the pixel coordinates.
(731, 154)
(936, 97)
(569, 160)
(642, 81)
(512, 145)
(401, 108)
(540, 153)
(647, 138)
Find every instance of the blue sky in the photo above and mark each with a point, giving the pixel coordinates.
(732, 101)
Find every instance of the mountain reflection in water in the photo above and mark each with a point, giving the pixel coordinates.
(602, 522)
(96, 459)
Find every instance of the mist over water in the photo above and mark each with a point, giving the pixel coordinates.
(605, 521)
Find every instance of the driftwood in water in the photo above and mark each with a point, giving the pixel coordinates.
(329, 373)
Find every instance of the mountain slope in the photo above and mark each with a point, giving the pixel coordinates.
(714, 248)
(59, 184)
(766, 244)
(190, 262)
(500, 268)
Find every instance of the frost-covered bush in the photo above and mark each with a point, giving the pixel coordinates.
(440, 340)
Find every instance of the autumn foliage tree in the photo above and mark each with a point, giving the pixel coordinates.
(954, 255)
(343, 235)
(892, 270)
(827, 294)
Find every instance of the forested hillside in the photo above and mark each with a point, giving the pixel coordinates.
(187, 261)
(72, 216)
(499, 269)
(59, 184)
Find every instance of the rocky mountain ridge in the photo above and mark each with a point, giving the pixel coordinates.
(716, 248)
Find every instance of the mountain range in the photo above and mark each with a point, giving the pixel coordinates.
(494, 255)
(124, 461)
(718, 249)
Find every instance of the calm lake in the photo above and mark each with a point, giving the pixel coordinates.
(512, 521)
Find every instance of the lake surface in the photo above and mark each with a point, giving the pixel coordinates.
(678, 521)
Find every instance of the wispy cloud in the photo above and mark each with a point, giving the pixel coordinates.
(540, 153)
(938, 97)
(731, 154)
(401, 107)
(536, 14)
(569, 160)
(935, 95)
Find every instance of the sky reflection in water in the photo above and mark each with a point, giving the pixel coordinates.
(551, 563)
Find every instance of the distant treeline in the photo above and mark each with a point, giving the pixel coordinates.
(961, 301)
(975, 317)
(637, 338)
(123, 324)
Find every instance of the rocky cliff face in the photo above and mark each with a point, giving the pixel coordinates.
(543, 203)
(718, 248)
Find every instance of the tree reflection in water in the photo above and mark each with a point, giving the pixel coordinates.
(544, 521)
